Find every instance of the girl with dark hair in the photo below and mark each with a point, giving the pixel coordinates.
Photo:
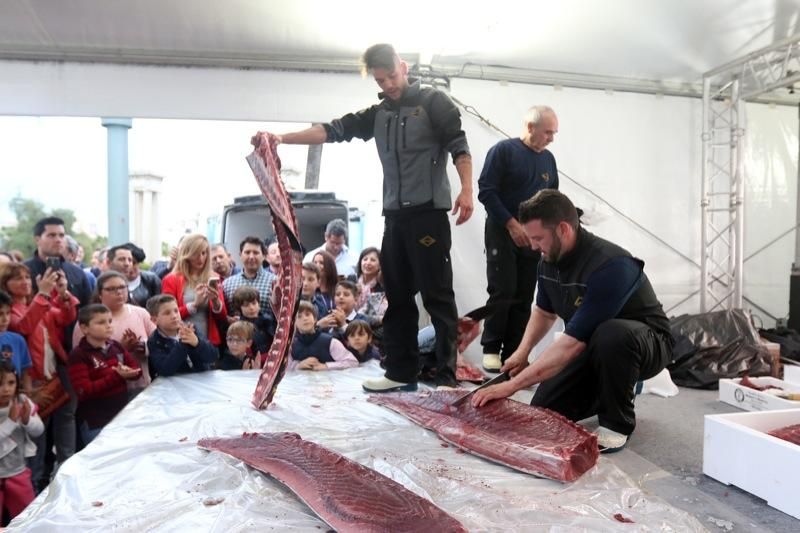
(328, 278)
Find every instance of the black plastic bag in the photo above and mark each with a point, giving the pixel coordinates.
(789, 340)
(711, 346)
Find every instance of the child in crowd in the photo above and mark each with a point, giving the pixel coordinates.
(247, 306)
(19, 423)
(345, 312)
(313, 349)
(310, 290)
(175, 347)
(99, 368)
(359, 341)
(13, 347)
(239, 355)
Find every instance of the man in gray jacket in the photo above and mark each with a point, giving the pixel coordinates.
(414, 130)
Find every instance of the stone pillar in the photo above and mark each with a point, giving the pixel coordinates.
(146, 217)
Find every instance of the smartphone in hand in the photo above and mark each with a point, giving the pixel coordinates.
(54, 263)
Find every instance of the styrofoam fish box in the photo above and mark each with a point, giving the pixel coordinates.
(791, 373)
(752, 400)
(738, 451)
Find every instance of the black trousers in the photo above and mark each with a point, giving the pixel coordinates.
(415, 257)
(601, 380)
(510, 275)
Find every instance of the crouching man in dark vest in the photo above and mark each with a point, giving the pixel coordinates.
(616, 331)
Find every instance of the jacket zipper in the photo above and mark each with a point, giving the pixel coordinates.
(388, 126)
(403, 126)
(433, 173)
(397, 159)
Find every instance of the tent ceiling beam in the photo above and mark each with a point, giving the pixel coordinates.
(211, 59)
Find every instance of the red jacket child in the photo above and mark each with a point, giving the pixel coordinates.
(102, 392)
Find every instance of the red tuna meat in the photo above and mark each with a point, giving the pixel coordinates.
(530, 439)
(788, 433)
(346, 495)
(266, 165)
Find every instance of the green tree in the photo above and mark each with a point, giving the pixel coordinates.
(28, 211)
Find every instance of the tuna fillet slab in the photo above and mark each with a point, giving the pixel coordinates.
(346, 495)
(530, 439)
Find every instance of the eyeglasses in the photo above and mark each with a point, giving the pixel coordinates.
(120, 288)
(236, 340)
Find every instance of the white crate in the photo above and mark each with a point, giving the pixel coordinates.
(752, 400)
(791, 373)
(738, 451)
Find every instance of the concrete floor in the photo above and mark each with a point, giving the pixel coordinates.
(665, 455)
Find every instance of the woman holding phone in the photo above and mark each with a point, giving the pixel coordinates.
(197, 289)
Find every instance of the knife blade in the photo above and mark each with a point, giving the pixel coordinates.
(500, 378)
(487, 310)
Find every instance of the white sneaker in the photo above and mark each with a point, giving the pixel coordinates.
(385, 384)
(610, 441)
(492, 362)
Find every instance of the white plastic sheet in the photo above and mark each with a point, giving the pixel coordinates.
(145, 473)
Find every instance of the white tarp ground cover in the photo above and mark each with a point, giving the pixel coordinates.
(145, 472)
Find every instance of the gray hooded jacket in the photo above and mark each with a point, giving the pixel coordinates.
(413, 136)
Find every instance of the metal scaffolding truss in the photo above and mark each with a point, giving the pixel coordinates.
(768, 74)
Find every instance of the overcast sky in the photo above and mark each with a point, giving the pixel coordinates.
(61, 162)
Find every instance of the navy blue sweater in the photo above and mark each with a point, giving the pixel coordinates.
(168, 356)
(513, 173)
(607, 290)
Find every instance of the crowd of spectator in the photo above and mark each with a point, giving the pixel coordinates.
(80, 341)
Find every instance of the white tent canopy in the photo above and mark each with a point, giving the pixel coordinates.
(649, 41)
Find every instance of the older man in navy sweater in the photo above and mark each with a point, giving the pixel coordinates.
(514, 170)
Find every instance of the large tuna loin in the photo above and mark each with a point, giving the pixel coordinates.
(266, 166)
(346, 495)
(530, 439)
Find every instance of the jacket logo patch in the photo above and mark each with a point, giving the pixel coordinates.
(427, 241)
(578, 301)
(546, 176)
(416, 111)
